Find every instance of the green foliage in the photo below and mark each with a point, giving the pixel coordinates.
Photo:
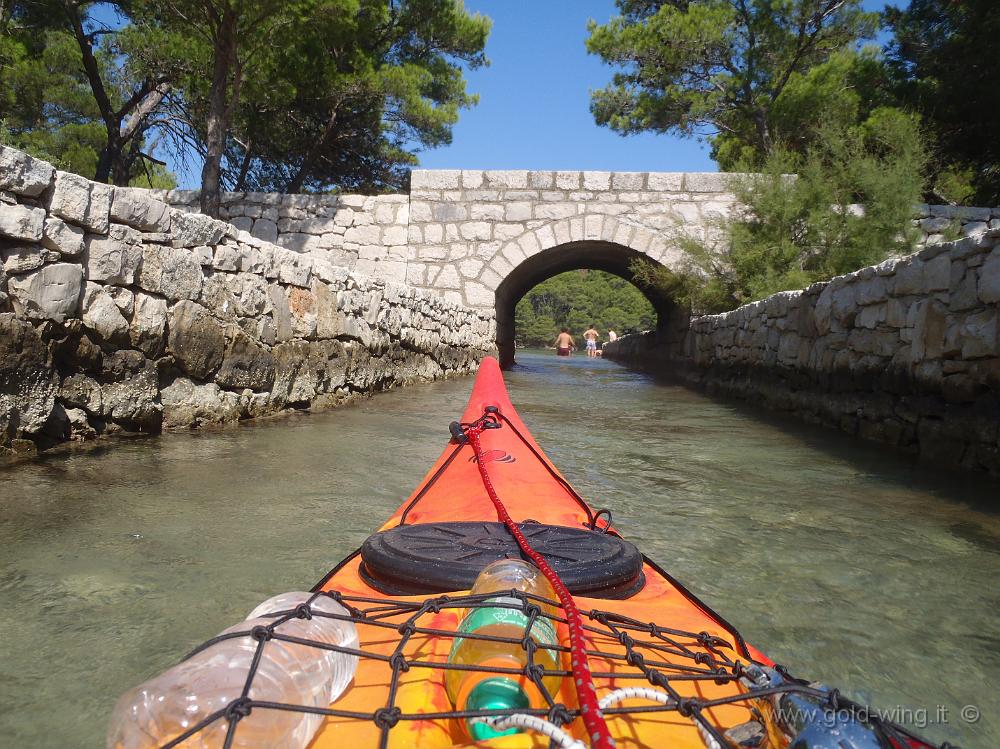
(328, 93)
(945, 57)
(720, 67)
(854, 192)
(72, 90)
(576, 300)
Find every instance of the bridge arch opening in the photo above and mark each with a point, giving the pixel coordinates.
(597, 255)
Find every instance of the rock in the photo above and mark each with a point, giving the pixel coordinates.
(49, 293)
(280, 311)
(196, 340)
(124, 298)
(114, 258)
(101, 314)
(302, 305)
(28, 382)
(79, 425)
(186, 404)
(246, 363)
(149, 322)
(22, 258)
(81, 202)
(978, 334)
(23, 174)
(937, 273)
(193, 229)
(80, 391)
(265, 230)
(137, 209)
(227, 258)
(250, 292)
(21, 222)
(130, 391)
(300, 372)
(929, 330)
(909, 277)
(60, 236)
(171, 272)
(989, 277)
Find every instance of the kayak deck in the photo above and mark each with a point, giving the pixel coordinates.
(699, 657)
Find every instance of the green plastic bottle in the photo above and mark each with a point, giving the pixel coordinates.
(478, 690)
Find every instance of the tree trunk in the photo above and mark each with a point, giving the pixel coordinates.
(219, 110)
(300, 177)
(241, 181)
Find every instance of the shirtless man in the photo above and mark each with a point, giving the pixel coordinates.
(591, 335)
(564, 343)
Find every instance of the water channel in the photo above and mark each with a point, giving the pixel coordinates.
(844, 561)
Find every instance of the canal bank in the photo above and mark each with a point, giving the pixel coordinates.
(868, 571)
(905, 353)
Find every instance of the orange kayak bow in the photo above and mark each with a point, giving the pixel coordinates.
(405, 590)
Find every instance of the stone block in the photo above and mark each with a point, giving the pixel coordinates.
(114, 258)
(929, 330)
(978, 335)
(568, 180)
(196, 340)
(193, 229)
(517, 211)
(172, 272)
(50, 293)
(21, 222)
(934, 225)
(596, 181)
(102, 315)
(64, 238)
(509, 179)
(989, 278)
(394, 235)
(435, 179)
(542, 180)
(82, 202)
(245, 364)
(23, 174)
(705, 182)
(265, 230)
(364, 235)
(937, 273)
(22, 258)
(665, 181)
(137, 209)
(974, 227)
(476, 230)
(909, 277)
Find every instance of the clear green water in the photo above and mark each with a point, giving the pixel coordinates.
(842, 560)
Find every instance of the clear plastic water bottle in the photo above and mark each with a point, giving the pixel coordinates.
(167, 705)
(472, 690)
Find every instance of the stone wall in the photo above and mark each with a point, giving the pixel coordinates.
(906, 352)
(460, 233)
(365, 233)
(120, 313)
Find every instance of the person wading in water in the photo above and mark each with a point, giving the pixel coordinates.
(564, 343)
(591, 335)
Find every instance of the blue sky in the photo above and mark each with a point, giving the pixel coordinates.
(535, 96)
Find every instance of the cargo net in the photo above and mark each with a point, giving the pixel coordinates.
(677, 665)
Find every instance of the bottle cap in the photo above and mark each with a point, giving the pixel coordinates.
(494, 694)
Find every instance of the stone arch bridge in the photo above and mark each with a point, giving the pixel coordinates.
(487, 237)
(484, 238)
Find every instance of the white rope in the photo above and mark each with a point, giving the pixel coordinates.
(635, 693)
(519, 720)
(653, 695)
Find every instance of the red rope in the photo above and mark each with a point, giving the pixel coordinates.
(593, 719)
